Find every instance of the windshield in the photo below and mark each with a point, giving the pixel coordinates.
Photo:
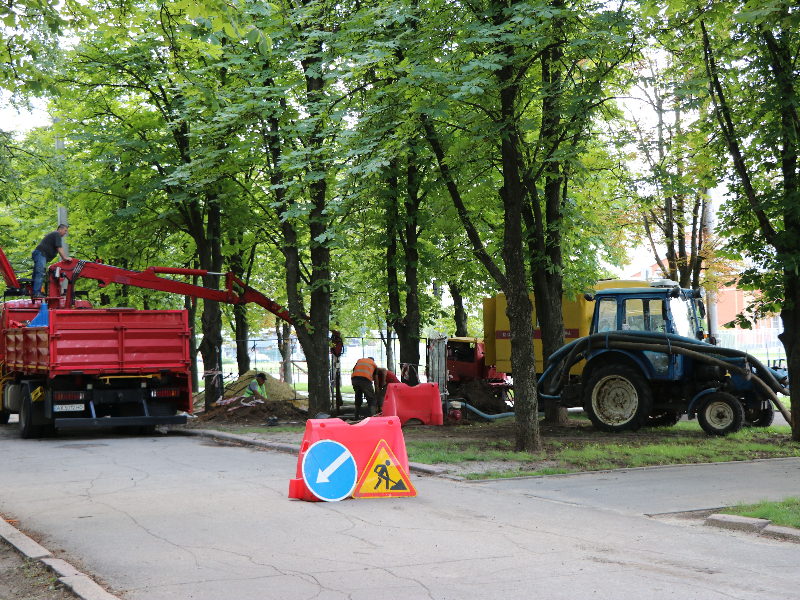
(683, 319)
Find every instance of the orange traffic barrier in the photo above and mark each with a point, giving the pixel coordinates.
(327, 465)
(419, 402)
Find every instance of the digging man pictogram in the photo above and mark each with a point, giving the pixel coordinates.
(382, 471)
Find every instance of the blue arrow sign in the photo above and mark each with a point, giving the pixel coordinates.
(329, 470)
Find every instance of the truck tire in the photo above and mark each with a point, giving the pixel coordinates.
(4, 416)
(720, 414)
(27, 430)
(617, 398)
(667, 418)
(761, 417)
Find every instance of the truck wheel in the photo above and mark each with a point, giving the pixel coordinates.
(27, 430)
(668, 418)
(720, 414)
(617, 399)
(4, 417)
(760, 417)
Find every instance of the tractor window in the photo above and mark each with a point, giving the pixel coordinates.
(607, 315)
(633, 315)
(683, 317)
(644, 315)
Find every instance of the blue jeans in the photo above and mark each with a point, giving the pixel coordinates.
(39, 267)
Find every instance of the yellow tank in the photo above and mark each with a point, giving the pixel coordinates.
(577, 320)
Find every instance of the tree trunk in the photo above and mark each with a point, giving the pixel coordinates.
(285, 346)
(241, 326)
(519, 308)
(791, 343)
(407, 326)
(460, 313)
(209, 248)
(191, 309)
(386, 340)
(545, 244)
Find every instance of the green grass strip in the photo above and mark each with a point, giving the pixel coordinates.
(785, 513)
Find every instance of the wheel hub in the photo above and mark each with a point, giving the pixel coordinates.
(614, 400)
(719, 415)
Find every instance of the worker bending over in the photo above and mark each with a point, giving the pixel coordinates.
(383, 377)
(362, 376)
(45, 252)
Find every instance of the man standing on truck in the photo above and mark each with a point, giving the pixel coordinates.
(45, 252)
(362, 384)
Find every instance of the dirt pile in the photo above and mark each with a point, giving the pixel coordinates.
(478, 394)
(282, 403)
(238, 413)
(276, 390)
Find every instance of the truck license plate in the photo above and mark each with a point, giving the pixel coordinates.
(68, 407)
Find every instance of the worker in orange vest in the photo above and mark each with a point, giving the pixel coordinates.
(362, 376)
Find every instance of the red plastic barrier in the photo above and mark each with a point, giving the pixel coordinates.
(419, 402)
(361, 439)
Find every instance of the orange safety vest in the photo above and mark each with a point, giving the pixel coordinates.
(364, 368)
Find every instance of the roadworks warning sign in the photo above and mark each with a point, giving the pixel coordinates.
(384, 477)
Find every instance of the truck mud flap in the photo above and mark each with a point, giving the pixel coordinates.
(120, 421)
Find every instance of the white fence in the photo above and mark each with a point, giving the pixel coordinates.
(761, 343)
(266, 357)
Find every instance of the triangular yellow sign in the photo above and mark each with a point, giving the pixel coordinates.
(384, 477)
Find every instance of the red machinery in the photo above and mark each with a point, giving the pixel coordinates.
(466, 362)
(88, 367)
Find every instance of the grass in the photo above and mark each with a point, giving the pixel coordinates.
(747, 444)
(447, 451)
(785, 513)
(685, 443)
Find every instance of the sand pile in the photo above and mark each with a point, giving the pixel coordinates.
(276, 390)
(282, 402)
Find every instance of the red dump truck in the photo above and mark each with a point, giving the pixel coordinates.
(64, 363)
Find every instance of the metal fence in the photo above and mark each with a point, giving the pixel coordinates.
(761, 343)
(265, 357)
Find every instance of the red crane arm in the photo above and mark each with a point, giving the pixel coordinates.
(148, 279)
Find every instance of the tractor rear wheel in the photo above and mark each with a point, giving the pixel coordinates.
(617, 398)
(760, 417)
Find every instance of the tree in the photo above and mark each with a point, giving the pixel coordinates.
(523, 80)
(758, 130)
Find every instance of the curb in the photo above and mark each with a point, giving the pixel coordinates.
(418, 468)
(737, 523)
(79, 584)
(762, 527)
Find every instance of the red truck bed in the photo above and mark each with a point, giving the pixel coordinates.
(109, 341)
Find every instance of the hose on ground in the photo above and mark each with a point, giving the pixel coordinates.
(484, 415)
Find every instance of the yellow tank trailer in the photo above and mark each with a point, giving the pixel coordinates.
(577, 320)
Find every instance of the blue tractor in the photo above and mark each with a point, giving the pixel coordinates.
(648, 362)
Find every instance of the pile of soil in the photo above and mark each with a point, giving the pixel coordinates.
(478, 394)
(276, 390)
(236, 414)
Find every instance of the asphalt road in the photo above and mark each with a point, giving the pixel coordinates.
(177, 518)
